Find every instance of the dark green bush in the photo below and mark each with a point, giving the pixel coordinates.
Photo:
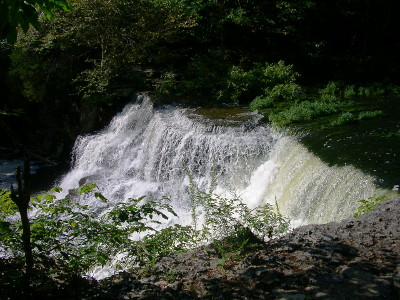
(304, 111)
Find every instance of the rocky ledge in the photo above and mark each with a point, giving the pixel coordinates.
(352, 259)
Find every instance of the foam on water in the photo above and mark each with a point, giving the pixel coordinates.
(147, 151)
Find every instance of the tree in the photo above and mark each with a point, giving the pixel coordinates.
(23, 13)
(14, 14)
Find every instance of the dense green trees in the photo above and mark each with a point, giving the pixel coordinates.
(79, 65)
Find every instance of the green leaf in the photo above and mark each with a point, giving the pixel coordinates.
(101, 197)
(87, 188)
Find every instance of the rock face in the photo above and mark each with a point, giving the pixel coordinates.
(353, 259)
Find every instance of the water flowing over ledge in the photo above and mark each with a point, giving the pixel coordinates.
(147, 151)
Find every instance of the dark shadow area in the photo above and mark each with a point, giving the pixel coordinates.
(370, 145)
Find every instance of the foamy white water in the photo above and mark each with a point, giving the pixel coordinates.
(147, 151)
(151, 152)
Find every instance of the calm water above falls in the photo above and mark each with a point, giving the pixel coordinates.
(147, 151)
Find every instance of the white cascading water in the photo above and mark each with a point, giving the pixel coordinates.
(154, 152)
(147, 151)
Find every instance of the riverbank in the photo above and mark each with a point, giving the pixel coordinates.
(352, 259)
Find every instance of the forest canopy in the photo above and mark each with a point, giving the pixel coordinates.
(92, 54)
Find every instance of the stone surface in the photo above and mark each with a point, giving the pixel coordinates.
(352, 259)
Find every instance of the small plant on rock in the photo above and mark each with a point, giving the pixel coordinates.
(369, 204)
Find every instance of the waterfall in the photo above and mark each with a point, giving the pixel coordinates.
(153, 152)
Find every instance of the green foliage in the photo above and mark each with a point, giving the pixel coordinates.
(261, 103)
(71, 233)
(242, 84)
(348, 117)
(379, 90)
(171, 240)
(265, 83)
(336, 100)
(279, 73)
(231, 226)
(285, 92)
(19, 13)
(393, 90)
(394, 134)
(344, 118)
(330, 93)
(85, 188)
(92, 50)
(78, 238)
(168, 84)
(234, 228)
(370, 114)
(349, 92)
(304, 111)
(9, 241)
(369, 204)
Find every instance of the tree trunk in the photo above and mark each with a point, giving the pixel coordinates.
(21, 199)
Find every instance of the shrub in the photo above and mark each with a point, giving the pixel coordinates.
(378, 89)
(304, 111)
(242, 85)
(275, 81)
(279, 73)
(230, 224)
(261, 103)
(168, 84)
(285, 92)
(73, 234)
(369, 114)
(330, 92)
(393, 90)
(344, 118)
(349, 92)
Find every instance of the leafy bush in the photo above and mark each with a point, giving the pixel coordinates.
(378, 89)
(370, 114)
(334, 91)
(304, 111)
(261, 103)
(224, 216)
(349, 92)
(279, 73)
(393, 90)
(73, 234)
(273, 80)
(168, 84)
(233, 228)
(330, 93)
(242, 85)
(284, 92)
(344, 118)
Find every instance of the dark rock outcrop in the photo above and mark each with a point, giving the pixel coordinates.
(353, 259)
